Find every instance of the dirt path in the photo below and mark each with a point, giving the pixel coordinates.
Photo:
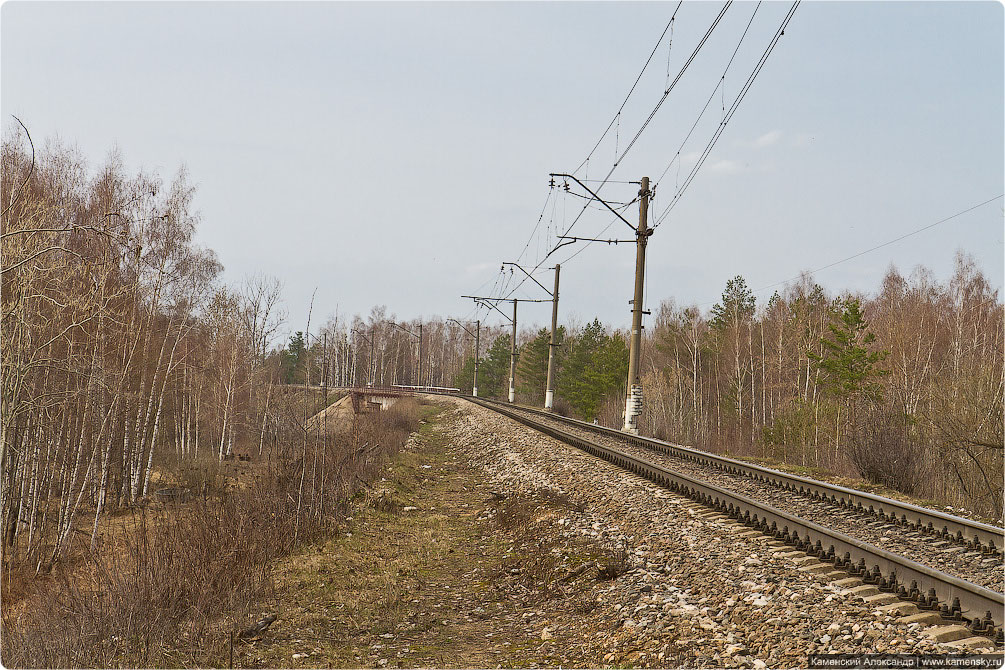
(434, 570)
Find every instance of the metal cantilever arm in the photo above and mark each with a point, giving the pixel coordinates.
(590, 239)
(529, 276)
(485, 302)
(404, 330)
(596, 197)
(462, 326)
(496, 308)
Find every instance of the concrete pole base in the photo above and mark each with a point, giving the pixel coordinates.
(633, 409)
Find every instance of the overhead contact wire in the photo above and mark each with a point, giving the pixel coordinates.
(632, 89)
(732, 110)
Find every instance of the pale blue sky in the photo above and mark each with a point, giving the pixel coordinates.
(395, 154)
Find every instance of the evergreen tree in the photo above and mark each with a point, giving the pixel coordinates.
(596, 367)
(293, 359)
(571, 383)
(737, 304)
(532, 366)
(606, 374)
(465, 376)
(730, 319)
(493, 372)
(849, 370)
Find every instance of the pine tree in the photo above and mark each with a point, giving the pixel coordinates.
(733, 316)
(293, 359)
(493, 372)
(572, 385)
(849, 369)
(532, 366)
(607, 373)
(737, 304)
(596, 367)
(466, 375)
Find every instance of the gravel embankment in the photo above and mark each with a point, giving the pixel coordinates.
(950, 558)
(702, 591)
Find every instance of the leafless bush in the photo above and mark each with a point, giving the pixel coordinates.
(613, 564)
(405, 416)
(882, 450)
(562, 407)
(151, 596)
(385, 501)
(201, 476)
(172, 584)
(541, 570)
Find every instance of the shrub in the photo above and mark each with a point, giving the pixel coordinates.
(173, 584)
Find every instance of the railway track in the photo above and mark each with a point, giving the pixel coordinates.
(818, 502)
(835, 524)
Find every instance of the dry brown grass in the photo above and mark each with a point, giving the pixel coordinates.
(177, 580)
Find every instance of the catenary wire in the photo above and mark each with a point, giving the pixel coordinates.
(638, 134)
(729, 114)
(670, 88)
(652, 114)
(536, 225)
(719, 84)
(632, 89)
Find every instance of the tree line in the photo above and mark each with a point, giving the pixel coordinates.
(113, 331)
(124, 353)
(903, 387)
(122, 350)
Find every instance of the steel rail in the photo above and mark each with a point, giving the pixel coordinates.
(973, 534)
(954, 598)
